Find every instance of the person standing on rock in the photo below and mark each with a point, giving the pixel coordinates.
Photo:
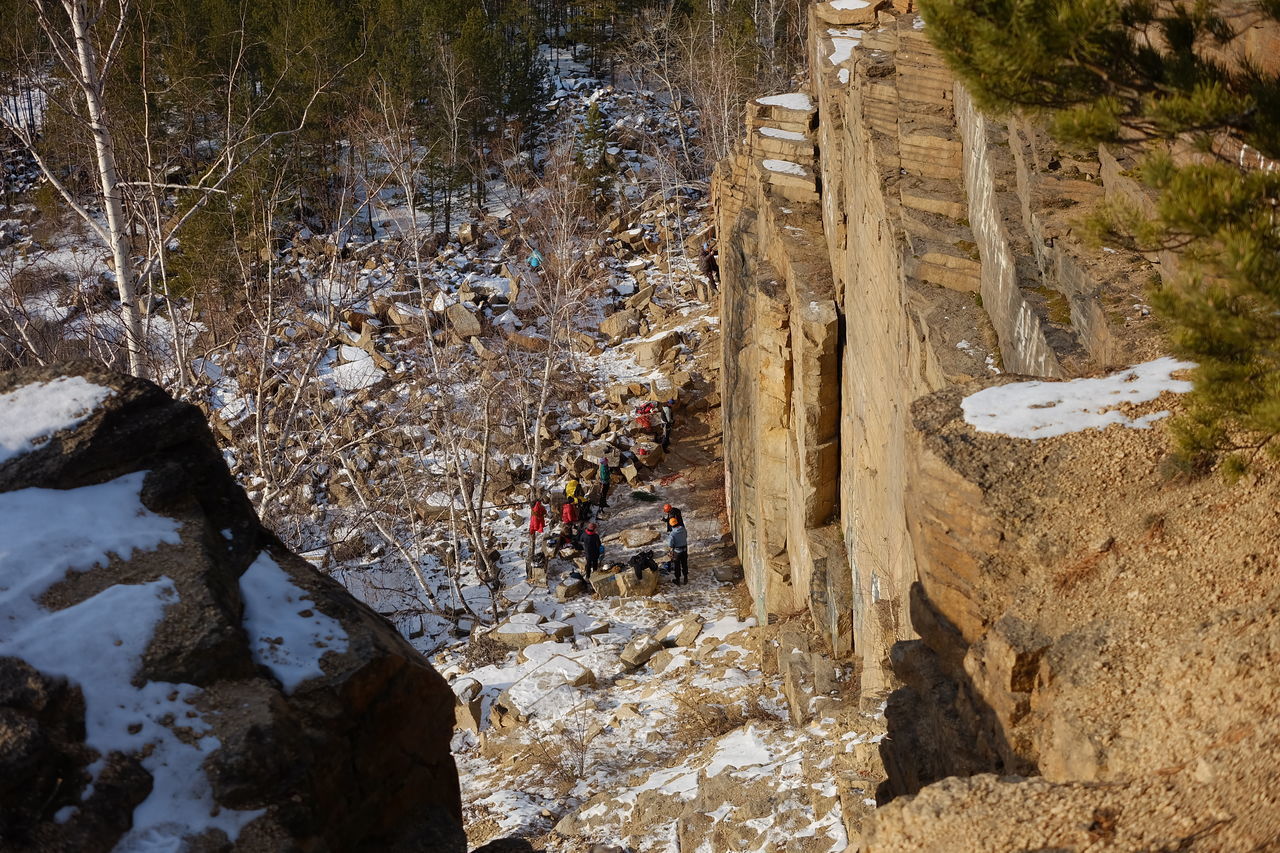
(678, 542)
(591, 548)
(668, 415)
(606, 475)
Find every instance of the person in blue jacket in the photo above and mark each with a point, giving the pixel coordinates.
(678, 542)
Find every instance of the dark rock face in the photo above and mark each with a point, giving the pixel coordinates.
(332, 733)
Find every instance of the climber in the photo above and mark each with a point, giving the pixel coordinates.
(605, 473)
(669, 512)
(572, 488)
(668, 416)
(591, 548)
(709, 265)
(678, 542)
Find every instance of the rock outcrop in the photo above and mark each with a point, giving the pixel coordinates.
(1021, 605)
(170, 674)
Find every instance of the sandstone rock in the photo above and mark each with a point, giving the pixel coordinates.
(651, 351)
(639, 650)
(624, 583)
(227, 631)
(463, 322)
(525, 629)
(638, 537)
(681, 632)
(727, 572)
(619, 324)
(570, 588)
(548, 690)
(527, 342)
(648, 453)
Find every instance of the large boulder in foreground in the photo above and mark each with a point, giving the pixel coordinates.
(171, 676)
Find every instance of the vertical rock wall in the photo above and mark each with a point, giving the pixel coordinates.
(880, 240)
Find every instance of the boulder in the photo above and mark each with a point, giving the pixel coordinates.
(651, 351)
(619, 325)
(525, 629)
(547, 690)
(681, 632)
(241, 676)
(570, 588)
(465, 323)
(527, 342)
(624, 583)
(730, 572)
(639, 650)
(638, 537)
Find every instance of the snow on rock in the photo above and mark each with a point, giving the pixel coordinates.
(784, 167)
(44, 534)
(143, 717)
(842, 44)
(30, 415)
(287, 634)
(790, 101)
(779, 133)
(356, 375)
(1040, 409)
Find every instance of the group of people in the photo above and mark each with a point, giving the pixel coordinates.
(584, 533)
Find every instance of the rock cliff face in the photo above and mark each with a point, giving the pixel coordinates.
(170, 675)
(887, 252)
(881, 240)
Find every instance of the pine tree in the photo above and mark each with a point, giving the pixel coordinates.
(1170, 81)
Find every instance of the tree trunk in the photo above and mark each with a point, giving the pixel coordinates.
(109, 179)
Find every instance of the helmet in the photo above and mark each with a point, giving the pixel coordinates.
(666, 507)
(673, 522)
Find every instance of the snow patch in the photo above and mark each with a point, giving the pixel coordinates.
(46, 533)
(30, 415)
(1046, 409)
(779, 133)
(288, 635)
(784, 167)
(790, 101)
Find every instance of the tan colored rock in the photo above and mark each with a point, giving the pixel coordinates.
(463, 322)
(640, 650)
(619, 325)
(624, 583)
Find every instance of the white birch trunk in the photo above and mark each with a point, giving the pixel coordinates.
(109, 179)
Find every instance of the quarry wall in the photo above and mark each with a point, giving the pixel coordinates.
(880, 240)
(886, 250)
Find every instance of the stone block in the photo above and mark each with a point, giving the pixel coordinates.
(681, 632)
(624, 583)
(619, 325)
(639, 651)
(463, 322)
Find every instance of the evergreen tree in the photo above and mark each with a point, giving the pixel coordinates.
(1171, 81)
(591, 157)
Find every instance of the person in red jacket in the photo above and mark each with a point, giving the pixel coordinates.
(537, 516)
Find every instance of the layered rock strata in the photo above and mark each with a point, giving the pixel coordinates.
(1006, 598)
